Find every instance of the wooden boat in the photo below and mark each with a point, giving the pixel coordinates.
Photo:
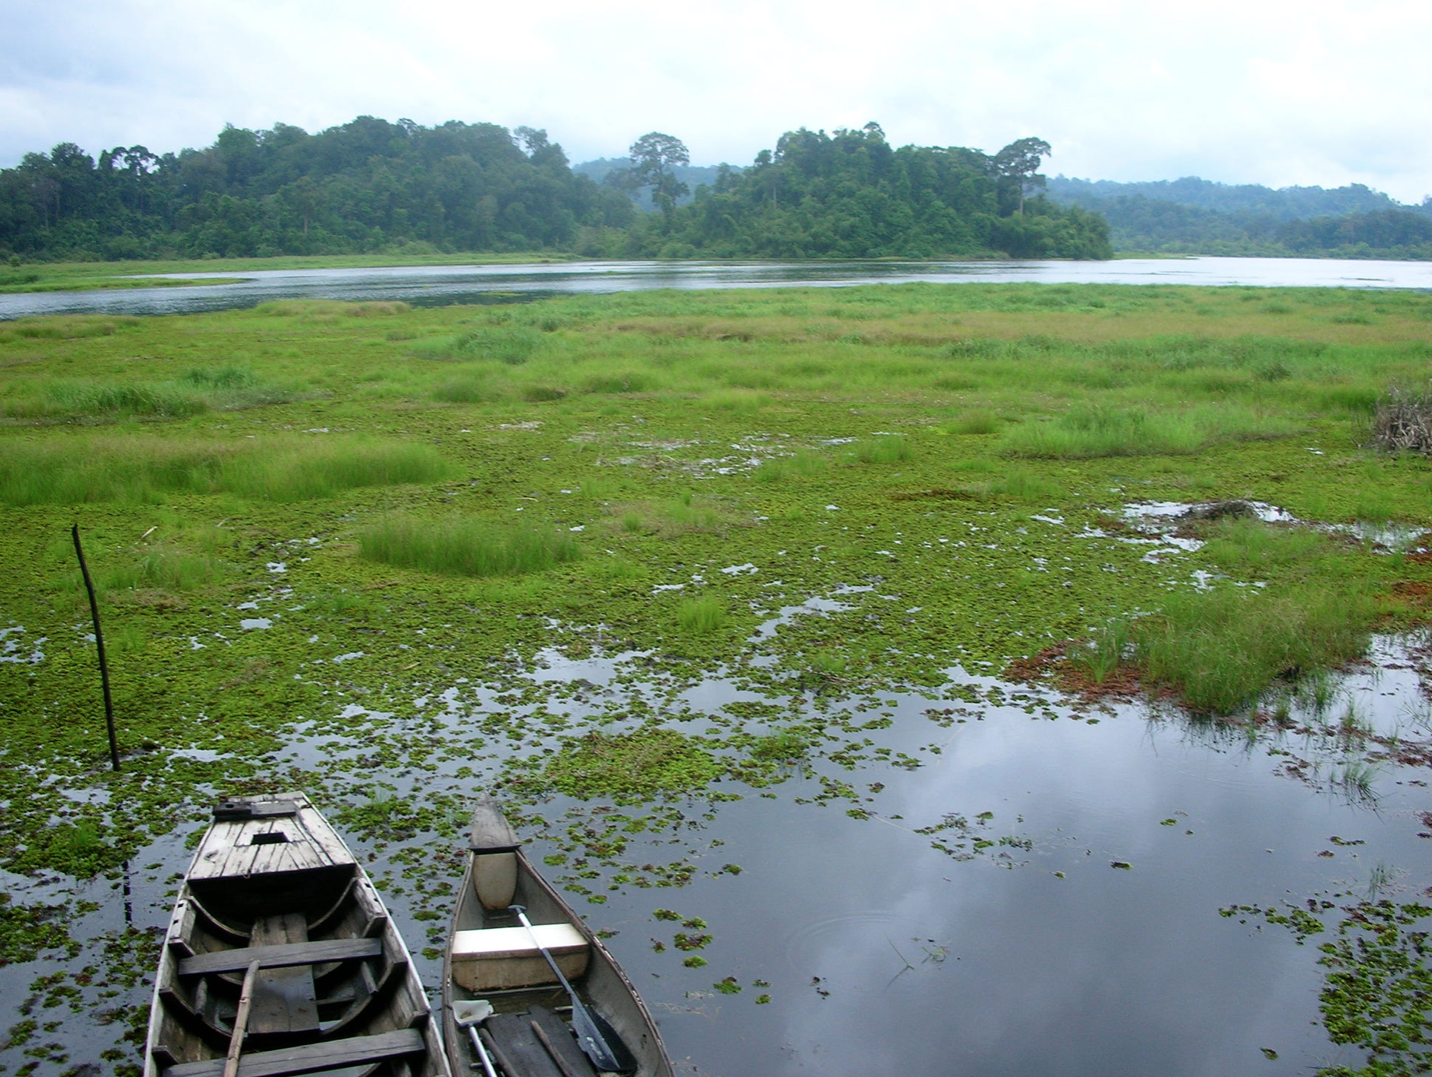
(281, 959)
(491, 956)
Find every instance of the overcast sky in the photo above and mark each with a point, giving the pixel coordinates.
(1322, 92)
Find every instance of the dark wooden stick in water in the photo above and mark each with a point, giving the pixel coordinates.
(99, 645)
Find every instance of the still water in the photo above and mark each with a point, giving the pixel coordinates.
(442, 285)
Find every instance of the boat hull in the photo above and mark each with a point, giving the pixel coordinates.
(275, 902)
(597, 978)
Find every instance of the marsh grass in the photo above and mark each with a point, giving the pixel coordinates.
(1086, 431)
(616, 382)
(169, 567)
(882, 450)
(781, 746)
(340, 603)
(310, 308)
(66, 327)
(737, 400)
(802, 464)
(1023, 485)
(513, 345)
(1105, 650)
(628, 767)
(977, 421)
(196, 392)
(1221, 649)
(682, 515)
(145, 470)
(701, 616)
(1249, 549)
(463, 546)
(470, 388)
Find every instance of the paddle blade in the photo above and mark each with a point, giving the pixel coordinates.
(599, 1041)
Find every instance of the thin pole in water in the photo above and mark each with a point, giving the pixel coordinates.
(99, 644)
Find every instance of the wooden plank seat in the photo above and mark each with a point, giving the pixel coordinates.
(500, 957)
(313, 1057)
(281, 955)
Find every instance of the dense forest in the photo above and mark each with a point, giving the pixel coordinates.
(375, 186)
(853, 195)
(368, 185)
(1195, 216)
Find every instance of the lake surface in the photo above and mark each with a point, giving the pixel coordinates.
(442, 285)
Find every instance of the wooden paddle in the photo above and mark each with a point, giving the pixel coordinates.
(597, 1039)
(241, 1021)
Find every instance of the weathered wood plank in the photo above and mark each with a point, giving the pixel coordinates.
(179, 940)
(521, 1048)
(557, 1038)
(281, 955)
(285, 999)
(327, 845)
(255, 808)
(312, 1057)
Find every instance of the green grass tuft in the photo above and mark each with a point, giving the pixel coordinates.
(1100, 430)
(465, 547)
(142, 470)
(1223, 648)
(883, 450)
(701, 616)
(513, 345)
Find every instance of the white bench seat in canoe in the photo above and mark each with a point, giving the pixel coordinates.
(502, 957)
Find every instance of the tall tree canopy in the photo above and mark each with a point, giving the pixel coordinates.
(852, 195)
(364, 186)
(371, 185)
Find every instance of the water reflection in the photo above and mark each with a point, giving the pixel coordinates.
(444, 285)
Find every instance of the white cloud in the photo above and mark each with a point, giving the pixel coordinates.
(1322, 91)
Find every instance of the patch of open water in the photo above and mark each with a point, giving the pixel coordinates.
(442, 285)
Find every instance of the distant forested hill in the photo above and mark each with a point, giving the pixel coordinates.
(1195, 216)
(375, 186)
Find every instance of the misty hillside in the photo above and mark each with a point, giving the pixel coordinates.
(691, 175)
(1197, 216)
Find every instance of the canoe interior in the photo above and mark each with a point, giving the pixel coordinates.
(335, 991)
(601, 985)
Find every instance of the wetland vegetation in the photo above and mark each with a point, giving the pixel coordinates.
(312, 522)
